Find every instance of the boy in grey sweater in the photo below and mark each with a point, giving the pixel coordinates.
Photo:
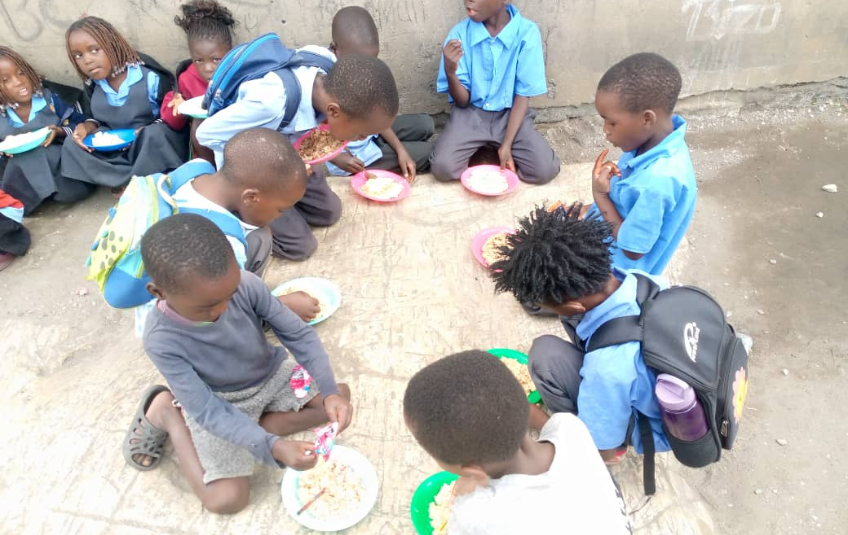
(238, 393)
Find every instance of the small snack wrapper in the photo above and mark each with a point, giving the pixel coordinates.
(325, 439)
(300, 382)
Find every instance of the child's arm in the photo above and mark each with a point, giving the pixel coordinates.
(303, 343)
(169, 111)
(520, 105)
(261, 102)
(407, 164)
(601, 176)
(451, 55)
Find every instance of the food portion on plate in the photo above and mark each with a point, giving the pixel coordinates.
(343, 489)
(487, 180)
(381, 187)
(522, 373)
(492, 248)
(317, 144)
(441, 507)
(106, 139)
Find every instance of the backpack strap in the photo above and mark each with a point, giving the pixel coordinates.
(291, 83)
(188, 171)
(626, 328)
(648, 450)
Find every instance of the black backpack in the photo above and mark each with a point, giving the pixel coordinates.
(684, 333)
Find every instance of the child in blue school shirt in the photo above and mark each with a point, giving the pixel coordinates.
(649, 197)
(492, 64)
(564, 264)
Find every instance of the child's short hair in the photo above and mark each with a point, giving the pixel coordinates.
(353, 26)
(553, 258)
(119, 51)
(644, 81)
(183, 247)
(30, 74)
(362, 84)
(262, 158)
(467, 408)
(207, 20)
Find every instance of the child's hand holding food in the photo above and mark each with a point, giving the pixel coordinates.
(339, 410)
(296, 454)
(302, 304)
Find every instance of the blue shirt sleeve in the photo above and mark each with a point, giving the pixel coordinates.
(462, 71)
(604, 400)
(643, 223)
(260, 102)
(530, 79)
(153, 92)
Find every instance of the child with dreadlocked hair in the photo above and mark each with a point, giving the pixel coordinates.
(565, 264)
(26, 105)
(209, 27)
(126, 91)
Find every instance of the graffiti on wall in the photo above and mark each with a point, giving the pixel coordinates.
(715, 19)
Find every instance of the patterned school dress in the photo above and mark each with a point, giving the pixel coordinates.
(157, 149)
(35, 176)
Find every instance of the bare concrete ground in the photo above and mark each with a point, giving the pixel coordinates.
(71, 371)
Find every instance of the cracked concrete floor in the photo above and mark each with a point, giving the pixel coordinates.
(71, 371)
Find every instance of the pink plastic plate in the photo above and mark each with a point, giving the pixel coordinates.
(480, 240)
(511, 179)
(322, 159)
(359, 179)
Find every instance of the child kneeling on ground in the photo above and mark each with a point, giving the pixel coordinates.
(564, 264)
(205, 336)
(470, 413)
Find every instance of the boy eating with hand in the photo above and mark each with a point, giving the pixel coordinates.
(237, 392)
(492, 64)
(469, 412)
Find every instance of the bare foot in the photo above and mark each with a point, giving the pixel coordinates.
(160, 412)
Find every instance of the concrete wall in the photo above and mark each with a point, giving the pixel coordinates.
(718, 44)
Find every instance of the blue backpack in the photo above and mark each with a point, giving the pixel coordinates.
(115, 262)
(253, 60)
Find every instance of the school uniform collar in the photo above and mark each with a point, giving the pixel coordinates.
(38, 104)
(667, 147)
(616, 305)
(507, 35)
(134, 75)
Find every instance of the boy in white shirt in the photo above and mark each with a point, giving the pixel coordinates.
(470, 413)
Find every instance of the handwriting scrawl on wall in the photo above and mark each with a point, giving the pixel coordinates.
(715, 19)
(24, 25)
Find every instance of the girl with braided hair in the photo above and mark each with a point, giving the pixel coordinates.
(26, 105)
(209, 28)
(126, 89)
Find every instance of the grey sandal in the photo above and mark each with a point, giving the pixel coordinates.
(142, 437)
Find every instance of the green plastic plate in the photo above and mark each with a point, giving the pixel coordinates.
(424, 495)
(503, 353)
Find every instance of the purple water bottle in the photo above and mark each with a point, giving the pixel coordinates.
(682, 413)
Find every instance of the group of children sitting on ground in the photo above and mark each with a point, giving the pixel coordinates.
(230, 397)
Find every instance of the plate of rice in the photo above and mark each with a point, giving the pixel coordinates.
(350, 486)
(486, 244)
(20, 143)
(489, 180)
(110, 140)
(193, 107)
(325, 291)
(318, 145)
(380, 186)
(516, 361)
(432, 504)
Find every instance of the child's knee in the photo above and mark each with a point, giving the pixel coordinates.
(442, 167)
(226, 497)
